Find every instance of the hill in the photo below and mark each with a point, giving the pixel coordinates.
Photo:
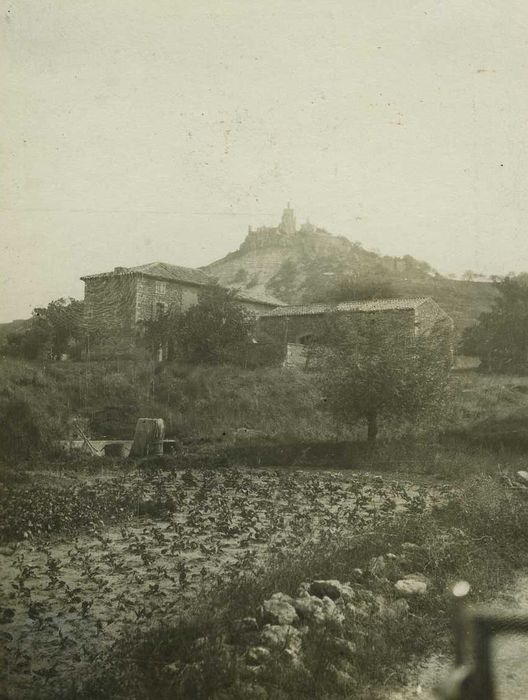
(302, 265)
(12, 327)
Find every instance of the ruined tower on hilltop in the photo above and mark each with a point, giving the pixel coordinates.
(288, 224)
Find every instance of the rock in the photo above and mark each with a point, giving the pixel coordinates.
(523, 477)
(410, 547)
(357, 574)
(390, 556)
(256, 656)
(283, 597)
(332, 589)
(409, 587)
(282, 638)
(417, 577)
(317, 610)
(277, 611)
(331, 612)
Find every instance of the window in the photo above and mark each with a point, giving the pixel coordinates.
(161, 307)
(161, 287)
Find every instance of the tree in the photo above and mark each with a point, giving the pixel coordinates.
(370, 371)
(54, 330)
(216, 330)
(162, 332)
(500, 338)
(359, 289)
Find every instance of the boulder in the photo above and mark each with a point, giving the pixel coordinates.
(278, 611)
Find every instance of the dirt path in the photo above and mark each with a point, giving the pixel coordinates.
(510, 654)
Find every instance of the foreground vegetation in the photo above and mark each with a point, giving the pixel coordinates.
(161, 595)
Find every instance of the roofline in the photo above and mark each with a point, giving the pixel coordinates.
(254, 300)
(141, 273)
(419, 301)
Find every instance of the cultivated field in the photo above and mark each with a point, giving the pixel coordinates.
(67, 597)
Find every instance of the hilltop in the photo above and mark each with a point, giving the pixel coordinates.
(302, 264)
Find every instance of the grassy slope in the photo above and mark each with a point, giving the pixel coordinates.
(209, 402)
(194, 401)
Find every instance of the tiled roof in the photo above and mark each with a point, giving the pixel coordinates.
(160, 270)
(269, 301)
(350, 306)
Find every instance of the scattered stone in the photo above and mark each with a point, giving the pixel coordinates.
(357, 574)
(411, 586)
(277, 611)
(282, 638)
(523, 477)
(417, 577)
(256, 656)
(410, 547)
(390, 556)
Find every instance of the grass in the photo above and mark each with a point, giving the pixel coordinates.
(193, 401)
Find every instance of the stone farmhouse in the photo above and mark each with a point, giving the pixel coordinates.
(116, 302)
(297, 327)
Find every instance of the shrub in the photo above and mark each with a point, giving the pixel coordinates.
(23, 432)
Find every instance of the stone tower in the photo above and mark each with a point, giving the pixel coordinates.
(288, 224)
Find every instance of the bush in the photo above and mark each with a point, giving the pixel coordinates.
(23, 432)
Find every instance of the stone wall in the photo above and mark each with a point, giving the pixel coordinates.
(110, 313)
(151, 292)
(301, 329)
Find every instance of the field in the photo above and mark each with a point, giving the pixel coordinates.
(126, 581)
(67, 597)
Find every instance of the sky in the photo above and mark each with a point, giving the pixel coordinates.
(138, 131)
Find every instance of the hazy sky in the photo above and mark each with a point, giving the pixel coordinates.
(142, 130)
